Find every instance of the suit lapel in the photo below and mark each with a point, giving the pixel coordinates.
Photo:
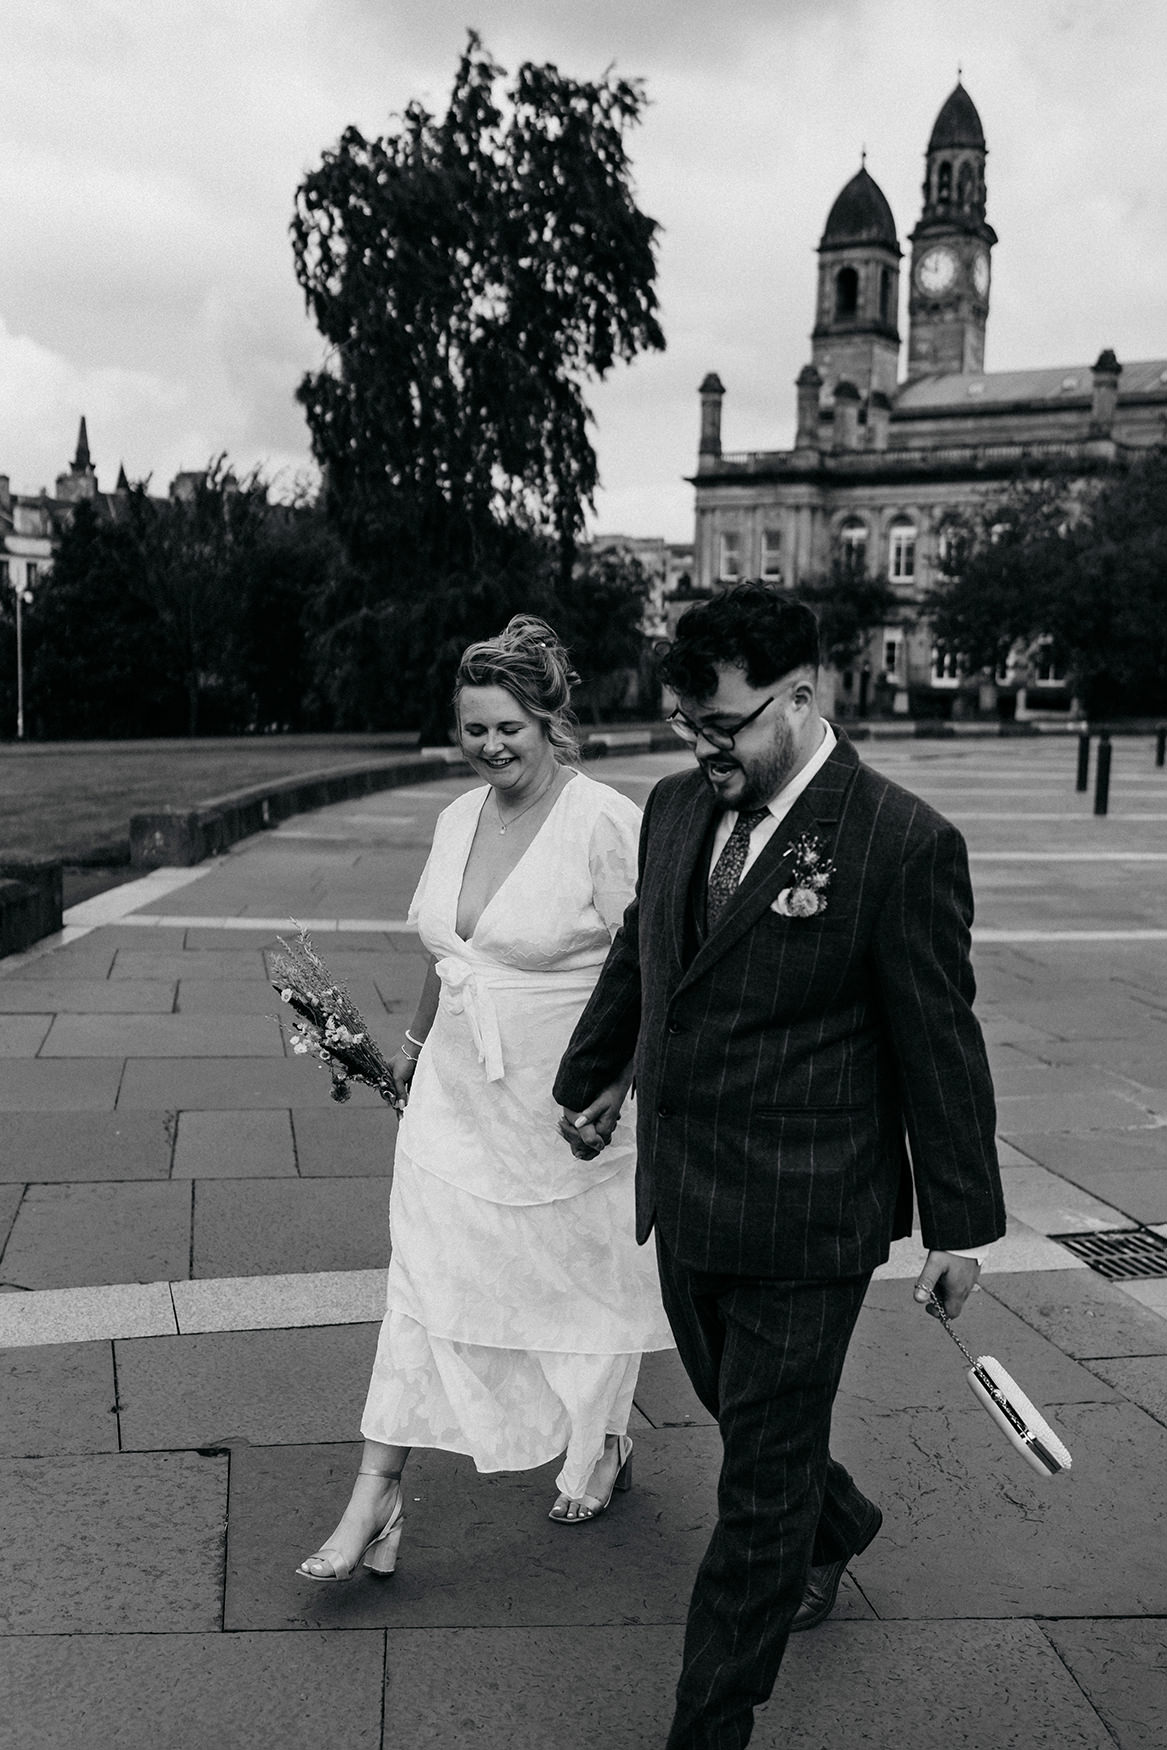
(819, 807)
(682, 847)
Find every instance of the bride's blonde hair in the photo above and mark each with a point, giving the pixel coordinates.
(529, 662)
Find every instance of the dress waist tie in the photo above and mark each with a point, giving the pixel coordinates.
(469, 989)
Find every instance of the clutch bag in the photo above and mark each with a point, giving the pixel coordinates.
(1021, 1422)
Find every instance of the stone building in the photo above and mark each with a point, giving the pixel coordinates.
(31, 523)
(883, 464)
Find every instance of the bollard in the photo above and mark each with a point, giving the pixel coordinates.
(1160, 744)
(1102, 777)
(1083, 761)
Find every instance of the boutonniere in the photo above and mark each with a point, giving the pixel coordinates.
(811, 874)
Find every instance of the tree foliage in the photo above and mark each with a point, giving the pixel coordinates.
(178, 615)
(1082, 564)
(472, 274)
(848, 603)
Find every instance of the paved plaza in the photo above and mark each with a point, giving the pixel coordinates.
(192, 1248)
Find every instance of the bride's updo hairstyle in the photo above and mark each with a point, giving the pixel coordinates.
(530, 663)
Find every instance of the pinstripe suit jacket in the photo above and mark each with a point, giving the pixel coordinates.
(781, 1062)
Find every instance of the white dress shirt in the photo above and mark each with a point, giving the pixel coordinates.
(778, 808)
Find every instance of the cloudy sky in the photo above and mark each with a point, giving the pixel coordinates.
(150, 151)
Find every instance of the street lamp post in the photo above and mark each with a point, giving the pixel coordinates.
(22, 595)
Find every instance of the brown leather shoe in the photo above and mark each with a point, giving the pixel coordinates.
(822, 1584)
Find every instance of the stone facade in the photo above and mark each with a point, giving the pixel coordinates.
(881, 464)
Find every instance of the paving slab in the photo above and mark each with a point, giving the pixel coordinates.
(85, 960)
(192, 1692)
(1122, 1670)
(41, 1086)
(1150, 1293)
(1022, 1248)
(255, 996)
(970, 1531)
(220, 1084)
(129, 934)
(81, 1315)
(89, 996)
(23, 1035)
(131, 1539)
(10, 1196)
(344, 1143)
(1081, 1313)
(1142, 1379)
(276, 1302)
(234, 1145)
(263, 1387)
(58, 1398)
(186, 1036)
(45, 1147)
(68, 1236)
(1051, 1204)
(834, 1689)
(1103, 1111)
(275, 1227)
(664, 1395)
(477, 1550)
(901, 1358)
(155, 963)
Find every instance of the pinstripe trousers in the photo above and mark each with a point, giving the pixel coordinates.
(765, 1358)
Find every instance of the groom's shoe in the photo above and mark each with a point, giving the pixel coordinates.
(822, 1584)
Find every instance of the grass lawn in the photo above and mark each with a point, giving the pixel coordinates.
(63, 799)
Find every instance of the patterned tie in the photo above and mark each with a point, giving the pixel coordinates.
(727, 871)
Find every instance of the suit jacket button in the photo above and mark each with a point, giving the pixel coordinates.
(664, 1112)
(675, 1027)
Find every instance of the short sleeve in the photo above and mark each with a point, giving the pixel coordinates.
(415, 903)
(612, 857)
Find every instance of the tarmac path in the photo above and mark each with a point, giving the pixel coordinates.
(192, 1245)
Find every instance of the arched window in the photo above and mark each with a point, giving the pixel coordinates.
(853, 547)
(944, 181)
(901, 557)
(846, 293)
(885, 294)
(964, 186)
(951, 549)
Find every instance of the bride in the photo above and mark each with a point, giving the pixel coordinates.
(518, 1301)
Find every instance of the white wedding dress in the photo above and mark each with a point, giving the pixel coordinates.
(518, 1300)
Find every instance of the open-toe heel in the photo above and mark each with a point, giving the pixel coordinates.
(622, 1481)
(380, 1556)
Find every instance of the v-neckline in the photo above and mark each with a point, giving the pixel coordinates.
(467, 941)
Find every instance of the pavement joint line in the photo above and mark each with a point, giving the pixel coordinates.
(113, 906)
(320, 926)
(201, 1306)
(983, 936)
(1068, 857)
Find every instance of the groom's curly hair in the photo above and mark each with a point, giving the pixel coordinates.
(749, 626)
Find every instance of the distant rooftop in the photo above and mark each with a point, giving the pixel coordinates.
(1051, 384)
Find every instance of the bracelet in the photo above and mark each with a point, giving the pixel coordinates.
(418, 1042)
(408, 1054)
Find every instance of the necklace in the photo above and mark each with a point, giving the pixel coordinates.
(503, 824)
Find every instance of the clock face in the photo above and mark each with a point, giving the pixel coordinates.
(981, 272)
(936, 271)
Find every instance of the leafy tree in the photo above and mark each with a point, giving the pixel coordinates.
(472, 275)
(600, 617)
(848, 603)
(1081, 563)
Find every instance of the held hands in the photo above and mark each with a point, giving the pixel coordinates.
(951, 1278)
(589, 1132)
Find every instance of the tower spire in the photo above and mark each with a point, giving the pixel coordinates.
(81, 461)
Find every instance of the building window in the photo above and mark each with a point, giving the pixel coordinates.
(730, 567)
(944, 181)
(947, 666)
(1046, 665)
(853, 547)
(4, 578)
(892, 650)
(885, 294)
(964, 186)
(951, 549)
(772, 555)
(901, 566)
(31, 574)
(846, 293)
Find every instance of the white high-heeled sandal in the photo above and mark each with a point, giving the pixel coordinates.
(379, 1556)
(622, 1481)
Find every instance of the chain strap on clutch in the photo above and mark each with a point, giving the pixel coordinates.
(1022, 1423)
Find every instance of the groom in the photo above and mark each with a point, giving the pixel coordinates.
(793, 981)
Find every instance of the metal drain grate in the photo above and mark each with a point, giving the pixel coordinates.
(1133, 1252)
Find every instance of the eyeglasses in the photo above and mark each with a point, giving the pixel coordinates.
(723, 739)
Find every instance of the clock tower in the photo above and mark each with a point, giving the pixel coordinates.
(948, 299)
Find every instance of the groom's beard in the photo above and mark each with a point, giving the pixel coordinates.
(759, 776)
